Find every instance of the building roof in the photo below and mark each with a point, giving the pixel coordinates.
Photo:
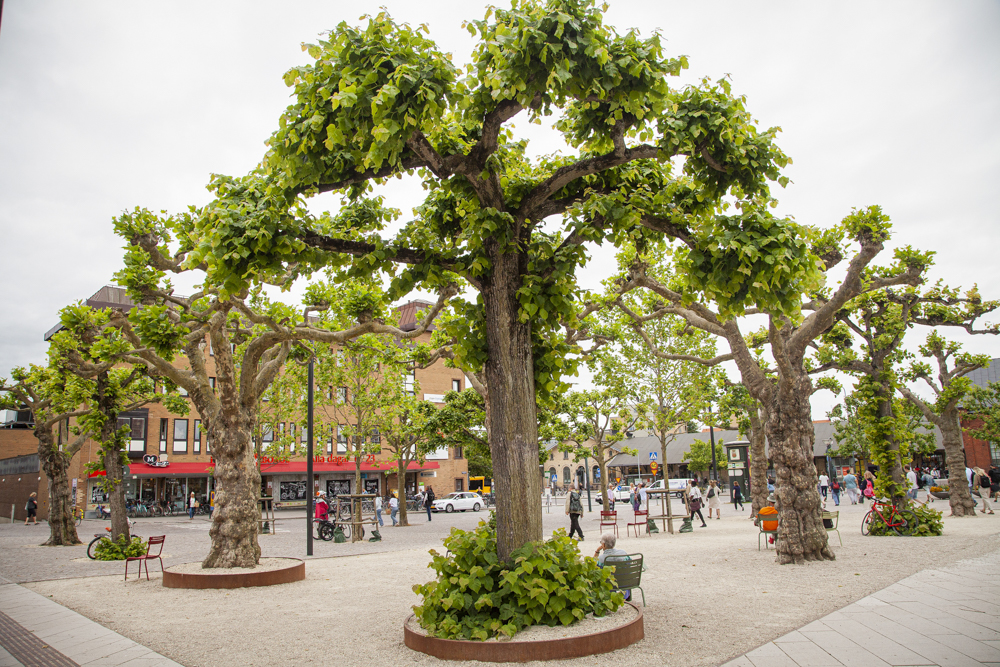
(824, 436)
(981, 377)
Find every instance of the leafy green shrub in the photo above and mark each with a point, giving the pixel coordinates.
(931, 522)
(108, 549)
(477, 596)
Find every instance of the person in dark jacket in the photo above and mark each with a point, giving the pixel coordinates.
(32, 508)
(429, 501)
(574, 508)
(737, 496)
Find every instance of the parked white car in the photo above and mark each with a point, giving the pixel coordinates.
(677, 486)
(460, 500)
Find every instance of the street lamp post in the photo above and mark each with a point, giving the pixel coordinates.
(711, 435)
(310, 496)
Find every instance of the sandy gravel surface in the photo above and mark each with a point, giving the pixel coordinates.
(711, 596)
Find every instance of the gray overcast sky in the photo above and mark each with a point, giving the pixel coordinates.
(108, 105)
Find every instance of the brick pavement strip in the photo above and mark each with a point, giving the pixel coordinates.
(28, 649)
(38, 631)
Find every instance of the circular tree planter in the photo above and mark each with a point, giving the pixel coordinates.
(525, 651)
(292, 569)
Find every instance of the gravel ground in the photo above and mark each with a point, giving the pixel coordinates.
(711, 596)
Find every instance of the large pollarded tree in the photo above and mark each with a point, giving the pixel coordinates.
(792, 328)
(645, 161)
(213, 323)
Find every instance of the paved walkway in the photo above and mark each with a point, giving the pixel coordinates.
(948, 616)
(37, 632)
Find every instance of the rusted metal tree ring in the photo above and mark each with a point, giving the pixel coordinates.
(526, 651)
(296, 571)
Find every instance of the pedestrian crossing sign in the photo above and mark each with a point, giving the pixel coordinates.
(652, 456)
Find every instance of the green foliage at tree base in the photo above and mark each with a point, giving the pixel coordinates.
(931, 521)
(108, 549)
(476, 596)
(922, 521)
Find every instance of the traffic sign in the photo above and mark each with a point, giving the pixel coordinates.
(652, 456)
(652, 467)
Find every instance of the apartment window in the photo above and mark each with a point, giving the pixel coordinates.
(329, 441)
(376, 436)
(566, 476)
(211, 383)
(182, 391)
(137, 433)
(267, 434)
(329, 393)
(456, 385)
(291, 435)
(552, 455)
(163, 435)
(341, 440)
(458, 452)
(211, 352)
(409, 381)
(180, 436)
(341, 395)
(459, 484)
(565, 456)
(197, 436)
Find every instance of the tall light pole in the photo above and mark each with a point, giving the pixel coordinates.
(310, 495)
(711, 435)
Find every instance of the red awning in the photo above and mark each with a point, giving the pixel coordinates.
(187, 469)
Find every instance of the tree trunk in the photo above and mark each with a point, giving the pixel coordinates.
(959, 494)
(116, 492)
(511, 421)
(55, 465)
(237, 486)
(886, 412)
(401, 490)
(758, 463)
(356, 506)
(801, 535)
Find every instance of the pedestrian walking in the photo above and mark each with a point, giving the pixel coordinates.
(192, 506)
(378, 509)
(643, 496)
(994, 475)
(851, 487)
(911, 483)
(868, 490)
(211, 504)
(737, 496)
(926, 482)
(983, 489)
(574, 509)
(694, 502)
(32, 508)
(714, 501)
(429, 501)
(824, 485)
(393, 509)
(835, 491)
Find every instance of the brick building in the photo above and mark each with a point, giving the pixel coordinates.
(979, 453)
(183, 454)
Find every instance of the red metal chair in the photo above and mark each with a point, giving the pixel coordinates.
(609, 519)
(153, 542)
(640, 520)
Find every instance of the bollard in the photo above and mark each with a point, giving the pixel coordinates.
(12, 514)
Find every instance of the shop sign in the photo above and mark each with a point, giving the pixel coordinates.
(153, 461)
(341, 460)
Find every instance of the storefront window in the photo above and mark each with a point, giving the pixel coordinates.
(200, 487)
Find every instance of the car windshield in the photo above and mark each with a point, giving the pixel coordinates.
(454, 495)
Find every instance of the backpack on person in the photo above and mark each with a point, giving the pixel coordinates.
(835, 486)
(711, 492)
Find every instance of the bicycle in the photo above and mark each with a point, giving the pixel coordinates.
(92, 547)
(900, 521)
(77, 515)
